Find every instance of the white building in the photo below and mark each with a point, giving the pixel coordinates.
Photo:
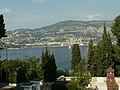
(32, 85)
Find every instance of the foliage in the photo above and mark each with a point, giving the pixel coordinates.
(12, 77)
(116, 56)
(80, 68)
(3, 74)
(2, 27)
(49, 67)
(61, 71)
(71, 85)
(90, 54)
(100, 57)
(76, 57)
(59, 85)
(32, 65)
(21, 71)
(105, 52)
(116, 32)
(116, 29)
(92, 58)
(83, 80)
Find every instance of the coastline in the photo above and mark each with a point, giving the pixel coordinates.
(22, 47)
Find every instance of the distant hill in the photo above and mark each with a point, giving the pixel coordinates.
(59, 32)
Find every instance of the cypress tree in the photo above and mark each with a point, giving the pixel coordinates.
(100, 57)
(76, 57)
(116, 29)
(2, 27)
(52, 69)
(105, 52)
(116, 32)
(49, 67)
(90, 57)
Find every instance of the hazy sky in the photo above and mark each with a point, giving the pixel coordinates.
(38, 13)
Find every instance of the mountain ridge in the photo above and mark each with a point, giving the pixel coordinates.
(63, 31)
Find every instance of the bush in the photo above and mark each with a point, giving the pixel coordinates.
(62, 71)
(12, 77)
(59, 85)
(71, 85)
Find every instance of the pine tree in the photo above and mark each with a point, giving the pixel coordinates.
(100, 57)
(2, 27)
(90, 57)
(76, 57)
(98, 64)
(93, 56)
(116, 29)
(52, 69)
(116, 32)
(105, 52)
(49, 67)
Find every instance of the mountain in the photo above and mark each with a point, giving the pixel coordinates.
(64, 31)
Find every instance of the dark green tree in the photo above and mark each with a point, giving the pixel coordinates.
(83, 80)
(2, 27)
(93, 59)
(116, 29)
(32, 65)
(3, 74)
(100, 57)
(49, 67)
(90, 57)
(98, 64)
(20, 71)
(105, 51)
(116, 32)
(76, 57)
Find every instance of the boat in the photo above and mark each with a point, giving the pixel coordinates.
(69, 47)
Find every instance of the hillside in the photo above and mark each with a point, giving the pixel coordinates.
(63, 31)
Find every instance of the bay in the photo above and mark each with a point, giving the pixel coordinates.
(62, 54)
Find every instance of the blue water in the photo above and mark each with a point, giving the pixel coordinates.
(62, 54)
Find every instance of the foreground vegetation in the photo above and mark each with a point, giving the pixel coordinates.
(104, 55)
(99, 58)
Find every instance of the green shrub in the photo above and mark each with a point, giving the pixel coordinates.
(59, 85)
(71, 85)
(12, 77)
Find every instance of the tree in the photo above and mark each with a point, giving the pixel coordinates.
(116, 32)
(76, 57)
(49, 67)
(61, 71)
(100, 57)
(53, 68)
(2, 27)
(20, 71)
(93, 59)
(116, 29)
(10, 68)
(105, 52)
(90, 57)
(3, 74)
(33, 68)
(83, 80)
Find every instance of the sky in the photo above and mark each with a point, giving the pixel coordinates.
(38, 13)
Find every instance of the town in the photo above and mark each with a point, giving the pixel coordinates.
(64, 33)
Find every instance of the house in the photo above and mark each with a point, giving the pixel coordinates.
(28, 86)
(35, 84)
(63, 78)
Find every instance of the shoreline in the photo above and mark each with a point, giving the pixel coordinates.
(41, 46)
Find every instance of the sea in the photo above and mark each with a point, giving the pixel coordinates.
(62, 54)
